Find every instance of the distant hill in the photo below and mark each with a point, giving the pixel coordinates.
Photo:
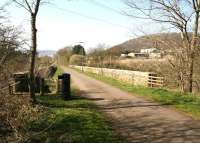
(163, 41)
(49, 53)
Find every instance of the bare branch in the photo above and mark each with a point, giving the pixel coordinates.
(21, 5)
(28, 6)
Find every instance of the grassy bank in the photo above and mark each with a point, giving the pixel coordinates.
(72, 121)
(188, 103)
(59, 71)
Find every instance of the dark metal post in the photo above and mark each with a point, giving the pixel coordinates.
(66, 86)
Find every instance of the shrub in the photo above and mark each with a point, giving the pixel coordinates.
(77, 60)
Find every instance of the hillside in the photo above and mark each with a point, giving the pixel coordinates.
(163, 41)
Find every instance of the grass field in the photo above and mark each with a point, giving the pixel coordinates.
(188, 103)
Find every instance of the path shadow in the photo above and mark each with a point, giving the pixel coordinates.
(84, 94)
(144, 128)
(131, 106)
(143, 122)
(57, 101)
(138, 125)
(117, 104)
(77, 99)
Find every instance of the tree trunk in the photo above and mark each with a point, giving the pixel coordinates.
(32, 58)
(191, 73)
(189, 80)
(188, 86)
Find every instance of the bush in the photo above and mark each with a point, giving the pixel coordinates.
(77, 60)
(16, 113)
(51, 71)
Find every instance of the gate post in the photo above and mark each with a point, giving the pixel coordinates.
(64, 85)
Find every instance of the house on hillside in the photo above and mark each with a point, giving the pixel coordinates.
(131, 55)
(144, 53)
(149, 50)
(155, 55)
(152, 52)
(124, 55)
(138, 55)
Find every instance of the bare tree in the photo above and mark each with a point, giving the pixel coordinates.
(32, 7)
(183, 15)
(10, 41)
(63, 55)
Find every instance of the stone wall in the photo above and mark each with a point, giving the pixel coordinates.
(132, 77)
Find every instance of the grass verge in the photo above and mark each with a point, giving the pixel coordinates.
(187, 103)
(72, 121)
(59, 71)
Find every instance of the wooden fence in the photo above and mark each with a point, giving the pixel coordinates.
(155, 81)
(147, 79)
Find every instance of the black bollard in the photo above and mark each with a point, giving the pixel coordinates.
(66, 86)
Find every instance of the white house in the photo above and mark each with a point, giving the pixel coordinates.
(150, 50)
(123, 55)
(138, 55)
(144, 53)
(155, 55)
(131, 55)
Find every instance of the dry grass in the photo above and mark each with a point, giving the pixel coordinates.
(15, 113)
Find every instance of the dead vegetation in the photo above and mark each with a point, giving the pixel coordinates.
(15, 114)
(15, 110)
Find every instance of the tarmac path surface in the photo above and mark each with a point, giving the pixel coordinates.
(137, 119)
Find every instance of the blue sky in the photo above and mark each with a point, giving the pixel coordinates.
(68, 22)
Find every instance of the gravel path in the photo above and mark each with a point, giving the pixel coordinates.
(135, 118)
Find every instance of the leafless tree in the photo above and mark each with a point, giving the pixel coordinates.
(32, 7)
(10, 44)
(9, 41)
(63, 55)
(183, 15)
